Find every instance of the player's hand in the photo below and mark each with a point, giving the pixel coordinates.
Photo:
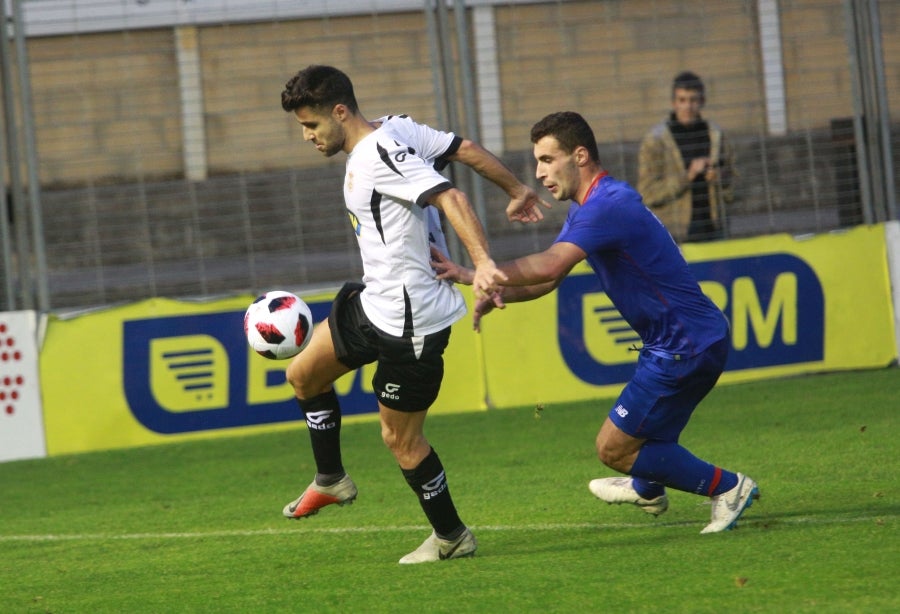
(484, 306)
(487, 280)
(449, 270)
(526, 207)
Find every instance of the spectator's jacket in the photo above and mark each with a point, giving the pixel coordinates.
(663, 182)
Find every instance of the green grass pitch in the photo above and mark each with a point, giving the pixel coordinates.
(197, 527)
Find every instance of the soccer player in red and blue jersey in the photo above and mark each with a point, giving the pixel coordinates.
(685, 336)
(400, 317)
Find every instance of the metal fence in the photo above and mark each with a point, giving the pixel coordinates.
(145, 152)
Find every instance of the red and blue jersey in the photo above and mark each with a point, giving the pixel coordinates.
(642, 270)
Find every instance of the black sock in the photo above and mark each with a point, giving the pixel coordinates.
(323, 419)
(430, 485)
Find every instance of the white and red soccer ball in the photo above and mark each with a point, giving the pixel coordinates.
(278, 325)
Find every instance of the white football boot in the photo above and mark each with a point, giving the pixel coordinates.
(728, 507)
(620, 490)
(436, 549)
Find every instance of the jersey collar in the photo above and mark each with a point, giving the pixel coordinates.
(593, 185)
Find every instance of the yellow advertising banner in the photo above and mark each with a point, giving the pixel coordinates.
(161, 370)
(796, 305)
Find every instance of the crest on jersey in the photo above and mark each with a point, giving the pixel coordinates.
(354, 221)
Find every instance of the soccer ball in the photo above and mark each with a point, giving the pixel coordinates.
(278, 325)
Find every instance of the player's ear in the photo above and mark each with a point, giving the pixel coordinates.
(581, 155)
(340, 112)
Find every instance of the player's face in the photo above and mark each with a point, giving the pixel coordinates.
(325, 132)
(556, 169)
(687, 104)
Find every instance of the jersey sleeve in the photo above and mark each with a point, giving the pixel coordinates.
(405, 176)
(431, 144)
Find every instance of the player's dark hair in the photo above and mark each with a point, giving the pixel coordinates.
(570, 129)
(320, 88)
(688, 81)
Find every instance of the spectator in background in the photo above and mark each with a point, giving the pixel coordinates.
(685, 167)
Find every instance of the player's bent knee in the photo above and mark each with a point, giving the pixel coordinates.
(295, 380)
(302, 382)
(396, 443)
(389, 437)
(614, 458)
(616, 449)
(408, 451)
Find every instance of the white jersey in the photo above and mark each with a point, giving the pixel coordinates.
(390, 177)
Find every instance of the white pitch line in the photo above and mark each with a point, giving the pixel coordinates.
(808, 520)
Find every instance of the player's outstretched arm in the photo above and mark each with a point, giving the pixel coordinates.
(448, 270)
(455, 205)
(547, 267)
(524, 204)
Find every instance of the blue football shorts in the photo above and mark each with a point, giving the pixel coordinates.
(659, 400)
(410, 370)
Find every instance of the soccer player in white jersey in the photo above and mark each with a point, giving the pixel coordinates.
(400, 315)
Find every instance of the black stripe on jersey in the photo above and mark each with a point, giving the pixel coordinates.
(441, 162)
(408, 330)
(424, 198)
(386, 158)
(375, 207)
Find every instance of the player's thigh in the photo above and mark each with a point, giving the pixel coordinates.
(661, 397)
(314, 370)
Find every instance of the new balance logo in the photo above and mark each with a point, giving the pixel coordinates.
(621, 411)
(318, 420)
(434, 487)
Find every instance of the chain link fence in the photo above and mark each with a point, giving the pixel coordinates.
(145, 152)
